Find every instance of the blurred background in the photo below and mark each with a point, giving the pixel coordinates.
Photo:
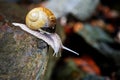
(89, 27)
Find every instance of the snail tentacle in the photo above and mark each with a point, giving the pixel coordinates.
(70, 50)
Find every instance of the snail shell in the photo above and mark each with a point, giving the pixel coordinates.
(41, 18)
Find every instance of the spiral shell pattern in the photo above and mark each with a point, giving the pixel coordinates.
(39, 18)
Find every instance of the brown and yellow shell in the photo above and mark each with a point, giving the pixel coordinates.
(41, 18)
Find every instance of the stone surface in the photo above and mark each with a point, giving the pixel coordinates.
(21, 55)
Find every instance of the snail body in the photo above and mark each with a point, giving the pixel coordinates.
(51, 39)
(41, 19)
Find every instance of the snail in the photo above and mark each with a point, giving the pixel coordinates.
(44, 28)
(41, 19)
